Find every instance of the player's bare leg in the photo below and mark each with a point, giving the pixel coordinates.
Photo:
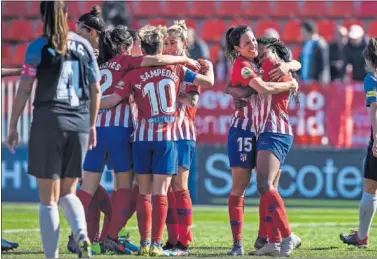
(367, 210)
(184, 210)
(240, 180)
(122, 203)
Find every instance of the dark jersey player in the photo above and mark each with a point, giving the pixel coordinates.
(368, 203)
(65, 110)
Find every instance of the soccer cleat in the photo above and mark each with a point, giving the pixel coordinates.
(6, 245)
(156, 250)
(96, 249)
(144, 248)
(180, 250)
(289, 243)
(353, 239)
(84, 246)
(237, 249)
(115, 247)
(270, 249)
(260, 242)
(168, 246)
(71, 245)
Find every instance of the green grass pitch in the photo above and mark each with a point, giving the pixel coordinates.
(318, 227)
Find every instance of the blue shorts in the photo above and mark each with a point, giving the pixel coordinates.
(113, 149)
(155, 157)
(186, 152)
(278, 144)
(241, 148)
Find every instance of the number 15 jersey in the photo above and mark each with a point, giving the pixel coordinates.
(155, 92)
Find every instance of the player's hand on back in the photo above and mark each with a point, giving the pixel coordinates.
(192, 63)
(280, 70)
(295, 85)
(204, 65)
(12, 140)
(92, 138)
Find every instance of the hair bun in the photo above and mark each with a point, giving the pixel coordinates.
(96, 11)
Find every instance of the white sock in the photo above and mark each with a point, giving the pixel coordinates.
(367, 209)
(49, 225)
(74, 213)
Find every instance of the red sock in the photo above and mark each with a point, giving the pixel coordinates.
(235, 209)
(134, 194)
(276, 210)
(85, 199)
(144, 216)
(106, 221)
(172, 219)
(93, 216)
(104, 201)
(120, 212)
(184, 211)
(159, 213)
(262, 225)
(272, 232)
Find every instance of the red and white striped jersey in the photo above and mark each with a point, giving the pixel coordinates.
(112, 72)
(155, 91)
(241, 118)
(186, 115)
(274, 106)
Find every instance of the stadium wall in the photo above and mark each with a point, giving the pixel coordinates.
(307, 174)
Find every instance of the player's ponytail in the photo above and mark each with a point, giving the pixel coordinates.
(55, 26)
(370, 52)
(232, 38)
(93, 20)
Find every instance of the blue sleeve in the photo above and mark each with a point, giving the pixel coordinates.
(33, 57)
(370, 88)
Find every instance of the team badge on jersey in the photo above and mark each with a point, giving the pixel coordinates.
(243, 157)
(246, 72)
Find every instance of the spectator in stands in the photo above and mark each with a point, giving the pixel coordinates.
(271, 32)
(197, 47)
(314, 55)
(336, 53)
(352, 53)
(115, 13)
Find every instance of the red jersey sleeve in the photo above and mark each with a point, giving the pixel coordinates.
(130, 62)
(269, 65)
(192, 88)
(123, 88)
(243, 72)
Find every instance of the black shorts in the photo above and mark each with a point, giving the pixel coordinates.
(370, 166)
(56, 154)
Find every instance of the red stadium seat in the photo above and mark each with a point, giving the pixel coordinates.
(21, 30)
(147, 9)
(285, 9)
(158, 21)
(296, 51)
(39, 29)
(4, 30)
(214, 51)
(372, 31)
(75, 9)
(230, 9)
(72, 24)
(88, 5)
(237, 22)
(265, 24)
(257, 9)
(326, 29)
(175, 9)
(213, 30)
(341, 9)
(350, 22)
(33, 9)
(13, 9)
(19, 56)
(6, 53)
(292, 31)
(203, 9)
(368, 9)
(191, 23)
(313, 9)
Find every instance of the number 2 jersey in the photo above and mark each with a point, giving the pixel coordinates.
(155, 91)
(112, 72)
(62, 96)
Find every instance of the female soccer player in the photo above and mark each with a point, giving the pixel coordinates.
(154, 148)
(368, 203)
(241, 49)
(63, 127)
(179, 218)
(114, 128)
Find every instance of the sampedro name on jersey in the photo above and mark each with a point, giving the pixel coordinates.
(243, 72)
(155, 92)
(111, 73)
